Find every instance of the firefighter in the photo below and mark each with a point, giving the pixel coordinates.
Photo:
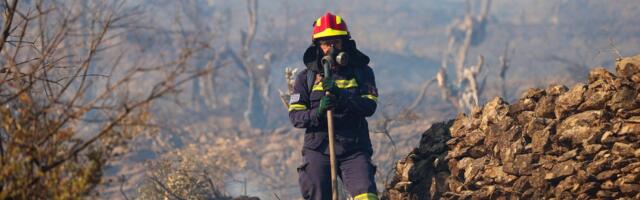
(352, 97)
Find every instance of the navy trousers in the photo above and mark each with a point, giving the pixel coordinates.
(354, 168)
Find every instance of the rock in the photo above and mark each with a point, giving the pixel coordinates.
(589, 188)
(471, 171)
(546, 107)
(525, 116)
(474, 138)
(599, 91)
(619, 162)
(606, 137)
(624, 98)
(606, 194)
(522, 183)
(600, 74)
(626, 114)
(628, 67)
(600, 162)
(567, 184)
(623, 149)
(477, 152)
(540, 141)
(460, 124)
(568, 155)
(556, 90)
(591, 149)
(485, 192)
(464, 162)
(582, 127)
(630, 126)
(608, 185)
(629, 178)
(497, 174)
(546, 104)
(630, 188)
(631, 166)
(457, 152)
(533, 94)
(537, 179)
(607, 174)
(561, 170)
(494, 112)
(539, 130)
(522, 105)
(568, 102)
(521, 165)
(582, 175)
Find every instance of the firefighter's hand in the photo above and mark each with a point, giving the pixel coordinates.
(329, 85)
(326, 103)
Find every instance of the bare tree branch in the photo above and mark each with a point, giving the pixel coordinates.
(122, 181)
(421, 95)
(10, 11)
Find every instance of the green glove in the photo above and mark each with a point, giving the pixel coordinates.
(326, 103)
(330, 85)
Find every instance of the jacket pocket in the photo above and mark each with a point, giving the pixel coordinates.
(312, 140)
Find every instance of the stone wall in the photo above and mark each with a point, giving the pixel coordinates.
(564, 143)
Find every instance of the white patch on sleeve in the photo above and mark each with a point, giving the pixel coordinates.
(294, 98)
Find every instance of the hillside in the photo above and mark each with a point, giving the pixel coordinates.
(562, 143)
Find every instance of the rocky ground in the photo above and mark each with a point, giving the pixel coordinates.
(581, 142)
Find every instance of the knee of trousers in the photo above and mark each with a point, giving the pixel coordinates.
(361, 179)
(364, 186)
(314, 178)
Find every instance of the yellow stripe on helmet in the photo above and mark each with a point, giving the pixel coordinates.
(366, 196)
(328, 32)
(338, 19)
(296, 106)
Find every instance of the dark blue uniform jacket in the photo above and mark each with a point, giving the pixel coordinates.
(358, 99)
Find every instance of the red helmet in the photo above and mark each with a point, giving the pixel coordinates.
(329, 25)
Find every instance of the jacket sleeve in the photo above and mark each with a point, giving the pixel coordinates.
(365, 102)
(300, 114)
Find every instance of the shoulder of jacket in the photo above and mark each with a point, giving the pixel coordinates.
(365, 68)
(368, 68)
(302, 74)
